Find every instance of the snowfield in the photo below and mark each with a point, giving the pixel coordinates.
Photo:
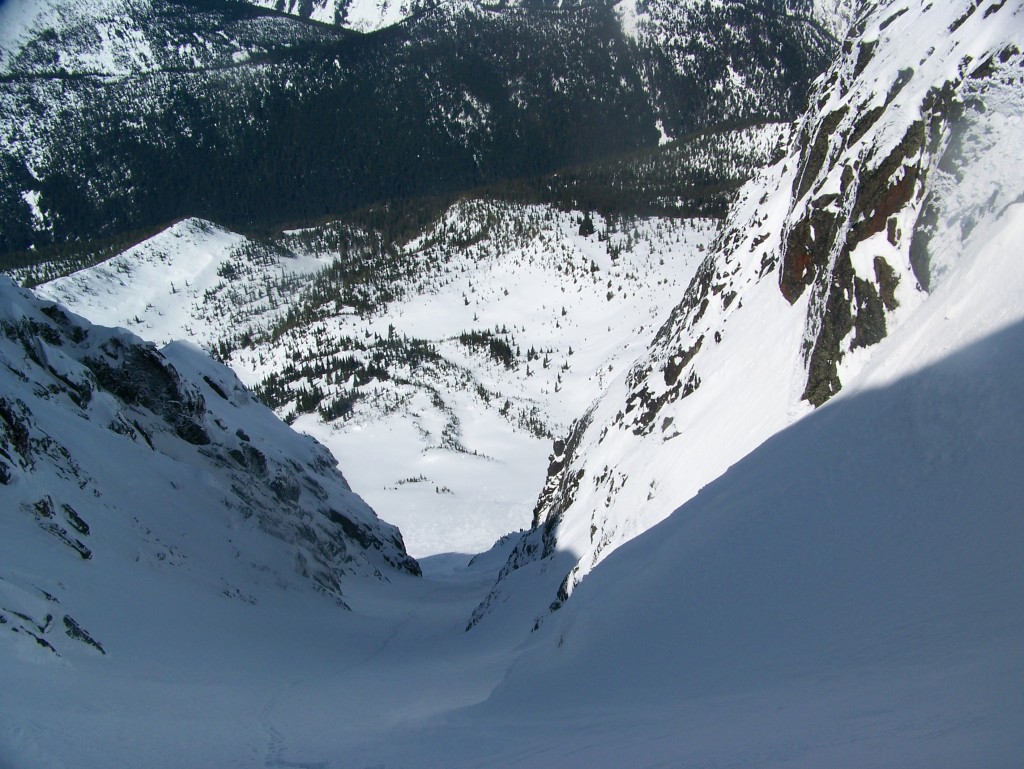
(725, 569)
(440, 454)
(846, 595)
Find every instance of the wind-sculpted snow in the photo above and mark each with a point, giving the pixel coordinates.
(910, 154)
(116, 457)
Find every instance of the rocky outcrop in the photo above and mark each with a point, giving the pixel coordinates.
(898, 160)
(875, 196)
(112, 453)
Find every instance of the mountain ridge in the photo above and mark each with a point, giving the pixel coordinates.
(116, 458)
(839, 215)
(85, 158)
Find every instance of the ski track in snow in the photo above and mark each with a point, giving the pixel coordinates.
(277, 744)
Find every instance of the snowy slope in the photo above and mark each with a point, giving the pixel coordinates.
(913, 146)
(359, 15)
(834, 15)
(192, 281)
(125, 38)
(861, 613)
(708, 62)
(117, 460)
(115, 44)
(451, 443)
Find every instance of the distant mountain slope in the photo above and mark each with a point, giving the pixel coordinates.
(368, 15)
(706, 62)
(360, 15)
(115, 457)
(836, 16)
(62, 39)
(129, 116)
(907, 160)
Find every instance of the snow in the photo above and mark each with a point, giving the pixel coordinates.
(967, 306)
(159, 288)
(120, 51)
(629, 18)
(31, 199)
(370, 15)
(441, 500)
(18, 20)
(632, 481)
(919, 40)
(773, 586)
(359, 15)
(526, 269)
(847, 595)
(835, 16)
(112, 45)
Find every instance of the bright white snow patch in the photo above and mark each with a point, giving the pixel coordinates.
(161, 289)
(456, 462)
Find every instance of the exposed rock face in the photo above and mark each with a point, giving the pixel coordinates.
(138, 377)
(901, 156)
(559, 490)
(825, 230)
(106, 441)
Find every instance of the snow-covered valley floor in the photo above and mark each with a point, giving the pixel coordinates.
(290, 680)
(454, 449)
